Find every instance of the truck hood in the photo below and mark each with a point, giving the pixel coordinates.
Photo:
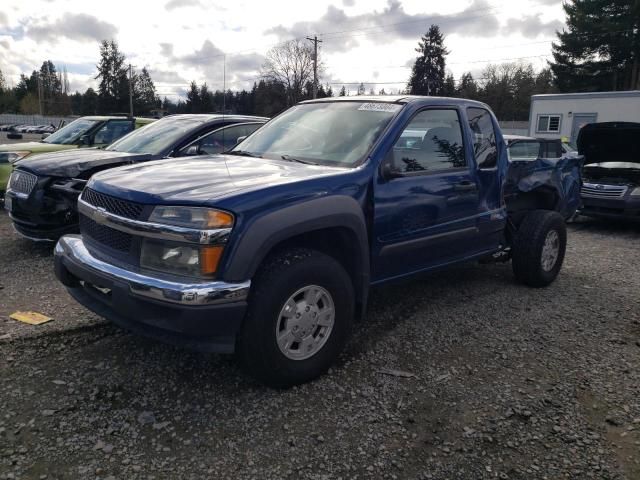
(610, 142)
(35, 147)
(73, 163)
(198, 179)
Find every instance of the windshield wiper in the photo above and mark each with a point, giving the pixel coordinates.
(294, 159)
(244, 153)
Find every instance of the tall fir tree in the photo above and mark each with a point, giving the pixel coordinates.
(428, 72)
(600, 47)
(113, 86)
(194, 103)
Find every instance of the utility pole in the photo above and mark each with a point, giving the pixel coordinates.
(315, 63)
(130, 92)
(39, 93)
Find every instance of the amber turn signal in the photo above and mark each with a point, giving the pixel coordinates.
(209, 259)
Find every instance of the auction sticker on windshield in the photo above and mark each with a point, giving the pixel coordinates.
(379, 107)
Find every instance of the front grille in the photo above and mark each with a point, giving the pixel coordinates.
(22, 182)
(603, 191)
(122, 208)
(109, 237)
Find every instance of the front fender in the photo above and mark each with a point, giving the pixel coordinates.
(265, 232)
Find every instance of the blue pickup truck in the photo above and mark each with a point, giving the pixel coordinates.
(270, 250)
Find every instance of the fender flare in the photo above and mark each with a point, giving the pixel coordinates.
(265, 232)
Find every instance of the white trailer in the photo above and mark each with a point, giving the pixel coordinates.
(562, 115)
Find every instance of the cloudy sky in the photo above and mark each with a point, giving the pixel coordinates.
(370, 41)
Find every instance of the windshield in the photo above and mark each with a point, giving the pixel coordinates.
(156, 137)
(328, 133)
(72, 132)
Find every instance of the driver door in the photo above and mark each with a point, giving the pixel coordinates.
(427, 198)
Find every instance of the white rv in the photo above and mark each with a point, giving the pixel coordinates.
(562, 115)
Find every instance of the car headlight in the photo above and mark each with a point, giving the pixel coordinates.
(180, 258)
(185, 258)
(635, 192)
(192, 217)
(12, 157)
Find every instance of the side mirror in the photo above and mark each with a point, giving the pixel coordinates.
(191, 150)
(85, 140)
(388, 172)
(44, 135)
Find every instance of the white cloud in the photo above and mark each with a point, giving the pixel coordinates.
(183, 40)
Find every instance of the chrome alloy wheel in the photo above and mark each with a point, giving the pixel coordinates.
(550, 251)
(305, 322)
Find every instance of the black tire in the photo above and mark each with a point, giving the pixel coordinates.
(278, 279)
(528, 247)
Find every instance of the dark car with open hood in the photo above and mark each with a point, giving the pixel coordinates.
(611, 172)
(42, 193)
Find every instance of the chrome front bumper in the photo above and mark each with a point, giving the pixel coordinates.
(71, 249)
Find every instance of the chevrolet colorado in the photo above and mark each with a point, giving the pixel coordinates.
(270, 250)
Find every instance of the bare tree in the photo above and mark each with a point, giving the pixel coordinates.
(291, 64)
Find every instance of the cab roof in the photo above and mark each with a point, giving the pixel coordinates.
(402, 99)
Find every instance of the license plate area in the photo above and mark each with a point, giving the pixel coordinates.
(7, 202)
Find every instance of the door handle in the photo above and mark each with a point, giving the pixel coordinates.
(465, 186)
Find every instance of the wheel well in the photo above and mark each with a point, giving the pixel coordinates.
(523, 202)
(338, 242)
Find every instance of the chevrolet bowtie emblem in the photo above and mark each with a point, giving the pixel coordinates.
(101, 214)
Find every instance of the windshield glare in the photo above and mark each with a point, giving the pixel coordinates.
(72, 132)
(156, 137)
(329, 133)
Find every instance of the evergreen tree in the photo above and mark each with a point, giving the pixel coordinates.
(206, 99)
(144, 93)
(468, 88)
(600, 48)
(343, 92)
(361, 89)
(449, 88)
(193, 99)
(113, 88)
(427, 74)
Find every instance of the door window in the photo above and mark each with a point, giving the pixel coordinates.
(224, 139)
(431, 142)
(112, 131)
(484, 137)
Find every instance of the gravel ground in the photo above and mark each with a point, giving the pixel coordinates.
(457, 375)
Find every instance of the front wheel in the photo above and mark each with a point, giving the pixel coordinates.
(300, 313)
(539, 247)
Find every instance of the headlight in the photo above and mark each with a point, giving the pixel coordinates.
(635, 192)
(192, 217)
(12, 157)
(180, 259)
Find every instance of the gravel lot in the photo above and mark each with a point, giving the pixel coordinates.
(500, 381)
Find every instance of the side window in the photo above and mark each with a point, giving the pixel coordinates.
(112, 131)
(224, 139)
(431, 142)
(524, 150)
(484, 137)
(551, 149)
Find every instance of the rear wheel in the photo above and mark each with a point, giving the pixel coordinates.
(299, 317)
(539, 248)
